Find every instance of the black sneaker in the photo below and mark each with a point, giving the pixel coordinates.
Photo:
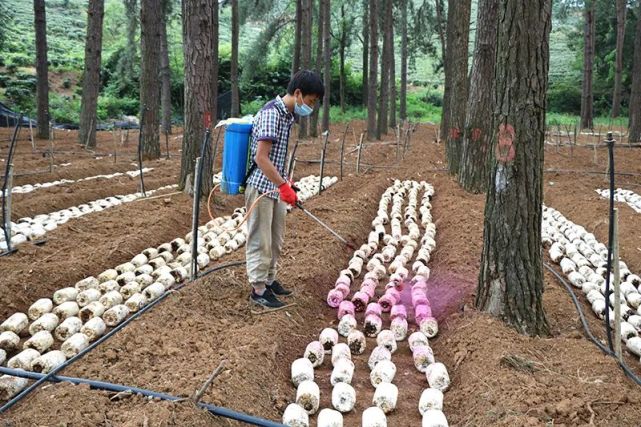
(268, 299)
(278, 289)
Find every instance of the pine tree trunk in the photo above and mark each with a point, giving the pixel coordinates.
(235, 96)
(366, 42)
(372, 130)
(392, 77)
(458, 39)
(127, 66)
(42, 69)
(327, 62)
(511, 277)
(383, 100)
(165, 77)
(618, 70)
(313, 127)
(91, 76)
(634, 133)
(306, 54)
(403, 94)
(478, 123)
(297, 37)
(341, 53)
(447, 84)
(200, 35)
(587, 96)
(150, 27)
(440, 29)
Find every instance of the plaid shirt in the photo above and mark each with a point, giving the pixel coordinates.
(272, 123)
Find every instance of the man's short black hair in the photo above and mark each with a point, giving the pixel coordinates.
(309, 83)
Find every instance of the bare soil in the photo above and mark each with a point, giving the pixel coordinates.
(559, 380)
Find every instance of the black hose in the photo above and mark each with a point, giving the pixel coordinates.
(220, 267)
(608, 328)
(101, 385)
(12, 149)
(586, 327)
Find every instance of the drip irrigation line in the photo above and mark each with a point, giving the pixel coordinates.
(106, 386)
(93, 345)
(221, 267)
(588, 172)
(626, 369)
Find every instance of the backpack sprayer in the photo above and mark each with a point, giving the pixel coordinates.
(238, 166)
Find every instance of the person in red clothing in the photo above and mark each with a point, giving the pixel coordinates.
(268, 150)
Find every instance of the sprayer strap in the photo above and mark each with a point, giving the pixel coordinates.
(251, 170)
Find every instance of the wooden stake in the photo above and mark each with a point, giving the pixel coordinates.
(33, 142)
(343, 150)
(113, 138)
(360, 150)
(50, 155)
(617, 287)
(398, 141)
(322, 164)
(167, 143)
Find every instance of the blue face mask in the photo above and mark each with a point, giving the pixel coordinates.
(303, 110)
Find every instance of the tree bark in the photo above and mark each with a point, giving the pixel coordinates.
(297, 37)
(366, 42)
(372, 130)
(392, 74)
(327, 61)
(313, 127)
(42, 69)
(306, 54)
(165, 75)
(150, 27)
(458, 29)
(383, 100)
(440, 29)
(634, 134)
(478, 122)
(200, 35)
(341, 53)
(587, 96)
(403, 94)
(618, 70)
(127, 63)
(235, 27)
(91, 76)
(511, 277)
(445, 112)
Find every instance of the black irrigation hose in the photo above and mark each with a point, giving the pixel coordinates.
(93, 345)
(608, 328)
(586, 327)
(12, 149)
(101, 385)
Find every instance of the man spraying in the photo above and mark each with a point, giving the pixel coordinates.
(267, 175)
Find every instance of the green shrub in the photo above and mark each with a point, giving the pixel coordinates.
(564, 97)
(252, 107)
(64, 109)
(112, 107)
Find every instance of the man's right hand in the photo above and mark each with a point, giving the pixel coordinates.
(287, 194)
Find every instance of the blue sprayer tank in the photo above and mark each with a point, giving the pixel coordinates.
(235, 157)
